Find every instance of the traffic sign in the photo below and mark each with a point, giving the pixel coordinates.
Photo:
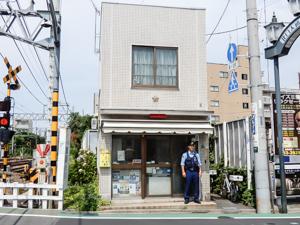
(12, 74)
(42, 149)
(233, 84)
(232, 53)
(41, 163)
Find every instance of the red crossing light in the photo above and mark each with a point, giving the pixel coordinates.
(4, 121)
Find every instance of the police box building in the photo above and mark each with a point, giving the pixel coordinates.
(153, 99)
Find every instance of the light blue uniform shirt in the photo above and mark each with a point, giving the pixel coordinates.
(191, 154)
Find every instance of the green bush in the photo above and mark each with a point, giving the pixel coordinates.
(82, 198)
(245, 195)
(82, 194)
(83, 169)
(248, 198)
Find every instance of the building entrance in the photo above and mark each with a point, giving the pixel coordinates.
(147, 166)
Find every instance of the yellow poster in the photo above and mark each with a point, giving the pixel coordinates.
(105, 159)
(290, 142)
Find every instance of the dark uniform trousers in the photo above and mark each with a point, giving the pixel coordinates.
(192, 180)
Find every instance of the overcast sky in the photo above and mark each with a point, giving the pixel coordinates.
(80, 65)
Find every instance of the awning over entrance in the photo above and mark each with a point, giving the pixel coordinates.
(156, 127)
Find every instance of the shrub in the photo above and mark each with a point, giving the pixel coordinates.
(248, 198)
(82, 197)
(245, 195)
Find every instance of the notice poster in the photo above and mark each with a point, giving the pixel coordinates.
(290, 108)
(121, 156)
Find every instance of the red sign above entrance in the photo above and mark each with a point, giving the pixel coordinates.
(158, 116)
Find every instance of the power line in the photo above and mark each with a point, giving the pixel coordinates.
(27, 29)
(227, 31)
(29, 69)
(64, 94)
(28, 89)
(26, 63)
(223, 13)
(95, 7)
(31, 92)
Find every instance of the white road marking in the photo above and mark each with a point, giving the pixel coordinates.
(99, 217)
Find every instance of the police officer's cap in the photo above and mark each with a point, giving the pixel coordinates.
(191, 143)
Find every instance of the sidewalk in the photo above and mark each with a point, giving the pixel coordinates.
(175, 205)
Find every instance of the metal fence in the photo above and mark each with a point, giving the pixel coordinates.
(232, 143)
(16, 195)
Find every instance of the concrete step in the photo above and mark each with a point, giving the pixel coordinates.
(159, 205)
(126, 201)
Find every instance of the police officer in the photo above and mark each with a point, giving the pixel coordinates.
(191, 171)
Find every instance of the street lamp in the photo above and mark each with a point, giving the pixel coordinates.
(294, 7)
(274, 30)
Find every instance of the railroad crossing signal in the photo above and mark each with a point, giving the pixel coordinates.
(12, 74)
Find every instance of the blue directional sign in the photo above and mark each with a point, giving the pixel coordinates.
(232, 52)
(233, 84)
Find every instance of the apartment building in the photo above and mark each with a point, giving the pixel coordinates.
(153, 99)
(229, 106)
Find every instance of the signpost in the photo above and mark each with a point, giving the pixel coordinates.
(232, 53)
(231, 56)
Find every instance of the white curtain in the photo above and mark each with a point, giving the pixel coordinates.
(166, 69)
(143, 66)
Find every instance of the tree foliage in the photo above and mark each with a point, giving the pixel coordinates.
(78, 125)
(82, 193)
(25, 142)
(83, 169)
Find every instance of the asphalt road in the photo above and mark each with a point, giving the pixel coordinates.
(57, 220)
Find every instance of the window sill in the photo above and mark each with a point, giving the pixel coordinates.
(163, 88)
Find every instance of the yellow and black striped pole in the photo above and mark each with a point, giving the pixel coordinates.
(54, 140)
(5, 146)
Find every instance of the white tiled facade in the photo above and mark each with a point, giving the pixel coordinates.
(123, 26)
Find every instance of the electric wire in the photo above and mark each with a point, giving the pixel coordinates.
(26, 63)
(34, 48)
(64, 94)
(227, 31)
(95, 7)
(28, 88)
(221, 17)
(27, 67)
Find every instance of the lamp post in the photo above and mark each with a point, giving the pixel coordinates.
(294, 7)
(274, 30)
(282, 40)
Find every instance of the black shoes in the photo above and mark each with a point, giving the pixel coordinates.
(186, 201)
(197, 201)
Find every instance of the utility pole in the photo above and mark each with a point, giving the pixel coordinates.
(54, 7)
(259, 144)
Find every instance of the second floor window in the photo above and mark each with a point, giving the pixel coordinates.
(223, 74)
(214, 88)
(154, 67)
(245, 91)
(245, 105)
(214, 103)
(244, 76)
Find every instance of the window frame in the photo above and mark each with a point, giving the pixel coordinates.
(214, 86)
(215, 118)
(244, 103)
(247, 90)
(154, 86)
(223, 72)
(244, 74)
(216, 101)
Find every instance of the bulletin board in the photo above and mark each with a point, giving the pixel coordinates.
(105, 159)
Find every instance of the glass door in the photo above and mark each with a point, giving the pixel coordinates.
(158, 166)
